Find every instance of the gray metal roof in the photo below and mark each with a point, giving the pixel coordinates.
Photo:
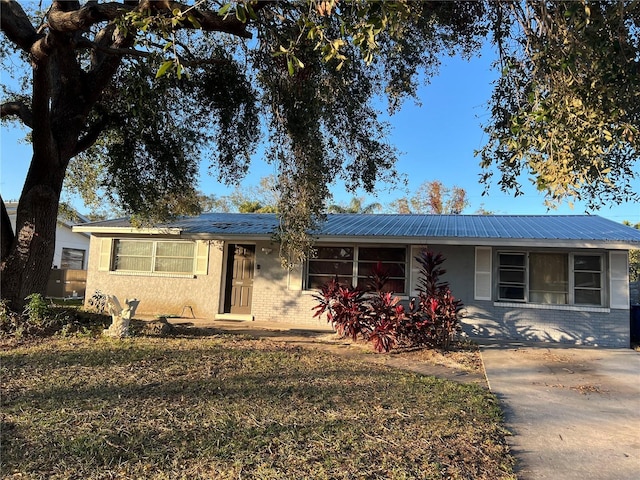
(573, 228)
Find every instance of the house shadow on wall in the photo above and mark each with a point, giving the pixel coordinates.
(529, 326)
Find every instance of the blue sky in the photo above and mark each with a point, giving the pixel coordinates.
(437, 141)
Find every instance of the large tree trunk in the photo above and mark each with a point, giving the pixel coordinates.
(26, 268)
(63, 96)
(59, 113)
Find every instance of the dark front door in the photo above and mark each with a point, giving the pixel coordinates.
(239, 286)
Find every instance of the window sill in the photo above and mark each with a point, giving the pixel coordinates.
(152, 274)
(550, 306)
(402, 296)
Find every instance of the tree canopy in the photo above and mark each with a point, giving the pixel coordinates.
(355, 205)
(125, 99)
(435, 198)
(566, 109)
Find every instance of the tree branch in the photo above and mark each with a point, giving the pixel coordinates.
(17, 109)
(16, 25)
(91, 136)
(62, 19)
(212, 22)
(130, 52)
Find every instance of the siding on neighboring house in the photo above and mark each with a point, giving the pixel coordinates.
(67, 239)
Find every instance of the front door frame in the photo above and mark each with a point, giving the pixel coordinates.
(231, 285)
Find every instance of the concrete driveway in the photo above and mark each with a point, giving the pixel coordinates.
(574, 412)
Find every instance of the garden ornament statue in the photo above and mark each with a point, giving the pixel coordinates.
(120, 316)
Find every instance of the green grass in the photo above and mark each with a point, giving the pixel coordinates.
(66, 302)
(227, 407)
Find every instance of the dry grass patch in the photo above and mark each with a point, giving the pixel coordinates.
(226, 407)
(463, 356)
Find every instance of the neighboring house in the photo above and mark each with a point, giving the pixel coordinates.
(554, 278)
(71, 255)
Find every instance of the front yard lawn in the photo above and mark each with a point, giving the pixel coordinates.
(227, 407)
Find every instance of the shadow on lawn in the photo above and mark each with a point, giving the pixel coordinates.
(83, 405)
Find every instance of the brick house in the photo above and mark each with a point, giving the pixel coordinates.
(538, 278)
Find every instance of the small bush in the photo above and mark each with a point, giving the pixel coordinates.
(433, 319)
(36, 318)
(39, 318)
(9, 320)
(98, 301)
(36, 310)
(344, 307)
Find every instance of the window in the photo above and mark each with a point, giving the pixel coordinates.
(353, 265)
(587, 279)
(393, 262)
(72, 259)
(154, 256)
(551, 278)
(511, 272)
(329, 262)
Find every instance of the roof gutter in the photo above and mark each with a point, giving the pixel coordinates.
(127, 230)
(485, 242)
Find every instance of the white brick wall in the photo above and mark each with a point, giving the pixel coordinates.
(599, 327)
(277, 294)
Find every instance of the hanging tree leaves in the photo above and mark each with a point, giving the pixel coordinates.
(566, 109)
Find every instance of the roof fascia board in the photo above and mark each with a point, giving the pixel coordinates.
(482, 242)
(126, 230)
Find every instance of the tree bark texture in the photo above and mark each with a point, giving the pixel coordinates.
(62, 97)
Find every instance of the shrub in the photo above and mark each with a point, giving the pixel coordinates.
(98, 301)
(9, 320)
(344, 307)
(36, 318)
(36, 310)
(433, 319)
(384, 312)
(39, 318)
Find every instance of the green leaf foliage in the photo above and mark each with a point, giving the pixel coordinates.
(159, 130)
(566, 109)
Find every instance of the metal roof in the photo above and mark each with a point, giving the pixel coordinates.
(571, 228)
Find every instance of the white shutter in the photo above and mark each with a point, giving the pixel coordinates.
(482, 288)
(619, 280)
(415, 269)
(104, 260)
(202, 257)
(294, 279)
